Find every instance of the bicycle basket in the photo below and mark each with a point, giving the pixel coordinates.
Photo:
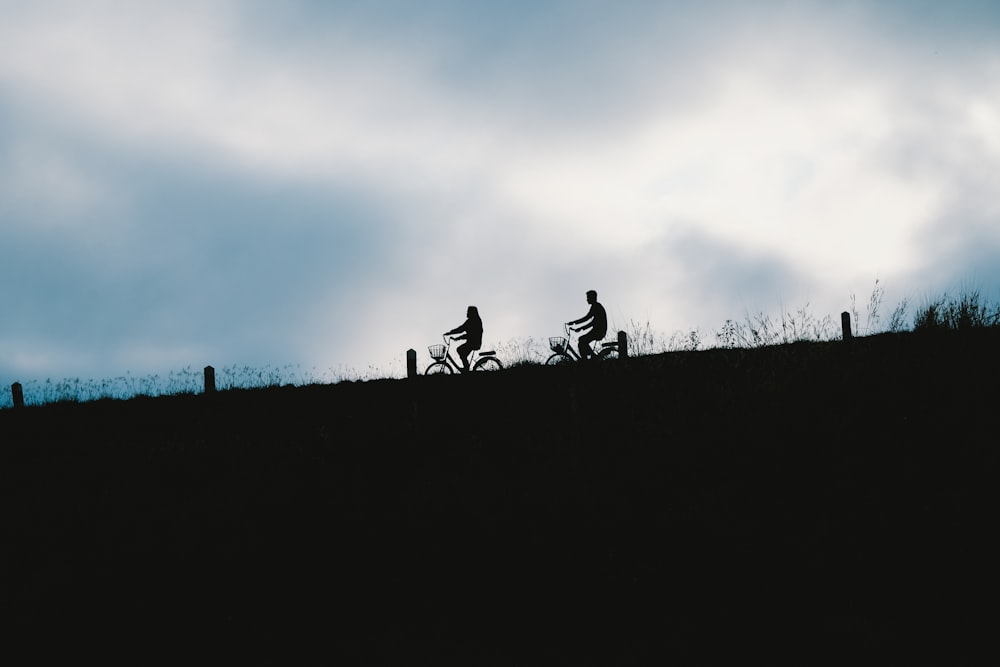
(558, 344)
(436, 351)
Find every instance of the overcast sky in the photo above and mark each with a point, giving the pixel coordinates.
(326, 184)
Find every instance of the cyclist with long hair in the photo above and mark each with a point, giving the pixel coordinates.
(472, 334)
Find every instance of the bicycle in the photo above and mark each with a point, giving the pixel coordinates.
(445, 364)
(563, 351)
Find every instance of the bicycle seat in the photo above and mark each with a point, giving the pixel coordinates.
(487, 353)
(609, 344)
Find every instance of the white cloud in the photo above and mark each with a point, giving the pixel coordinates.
(511, 166)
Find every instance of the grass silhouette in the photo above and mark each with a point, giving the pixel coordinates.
(945, 312)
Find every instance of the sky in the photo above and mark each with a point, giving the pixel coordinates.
(326, 184)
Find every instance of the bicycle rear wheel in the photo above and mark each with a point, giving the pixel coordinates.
(487, 364)
(558, 358)
(608, 353)
(438, 368)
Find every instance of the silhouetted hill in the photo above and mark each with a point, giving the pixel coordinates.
(813, 502)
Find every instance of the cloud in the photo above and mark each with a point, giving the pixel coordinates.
(336, 182)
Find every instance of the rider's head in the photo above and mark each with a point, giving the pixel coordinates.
(591, 296)
(472, 312)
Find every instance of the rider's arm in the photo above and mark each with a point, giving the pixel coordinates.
(459, 329)
(584, 319)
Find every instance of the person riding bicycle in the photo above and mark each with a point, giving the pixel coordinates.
(597, 320)
(472, 329)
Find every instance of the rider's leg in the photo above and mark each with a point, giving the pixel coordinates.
(586, 351)
(464, 350)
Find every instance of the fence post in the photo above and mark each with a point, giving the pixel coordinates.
(411, 363)
(845, 323)
(18, 395)
(622, 345)
(209, 380)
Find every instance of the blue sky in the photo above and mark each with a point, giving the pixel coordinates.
(326, 184)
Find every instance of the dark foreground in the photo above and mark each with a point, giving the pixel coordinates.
(811, 503)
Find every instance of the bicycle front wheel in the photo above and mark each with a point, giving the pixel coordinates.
(438, 368)
(558, 358)
(488, 364)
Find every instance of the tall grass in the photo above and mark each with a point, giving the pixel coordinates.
(175, 383)
(521, 352)
(957, 313)
(967, 310)
(761, 329)
(124, 386)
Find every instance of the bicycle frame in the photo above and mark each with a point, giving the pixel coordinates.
(450, 360)
(474, 357)
(571, 352)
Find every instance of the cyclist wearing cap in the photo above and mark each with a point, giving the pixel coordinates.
(597, 319)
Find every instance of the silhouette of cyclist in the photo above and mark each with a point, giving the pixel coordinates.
(472, 330)
(597, 320)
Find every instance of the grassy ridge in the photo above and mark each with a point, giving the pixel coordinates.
(809, 500)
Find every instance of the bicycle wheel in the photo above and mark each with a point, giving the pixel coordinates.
(487, 364)
(438, 368)
(608, 353)
(558, 358)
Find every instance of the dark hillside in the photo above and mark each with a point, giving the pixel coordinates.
(817, 502)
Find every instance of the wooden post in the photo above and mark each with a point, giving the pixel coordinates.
(411, 363)
(845, 322)
(18, 393)
(209, 380)
(622, 345)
